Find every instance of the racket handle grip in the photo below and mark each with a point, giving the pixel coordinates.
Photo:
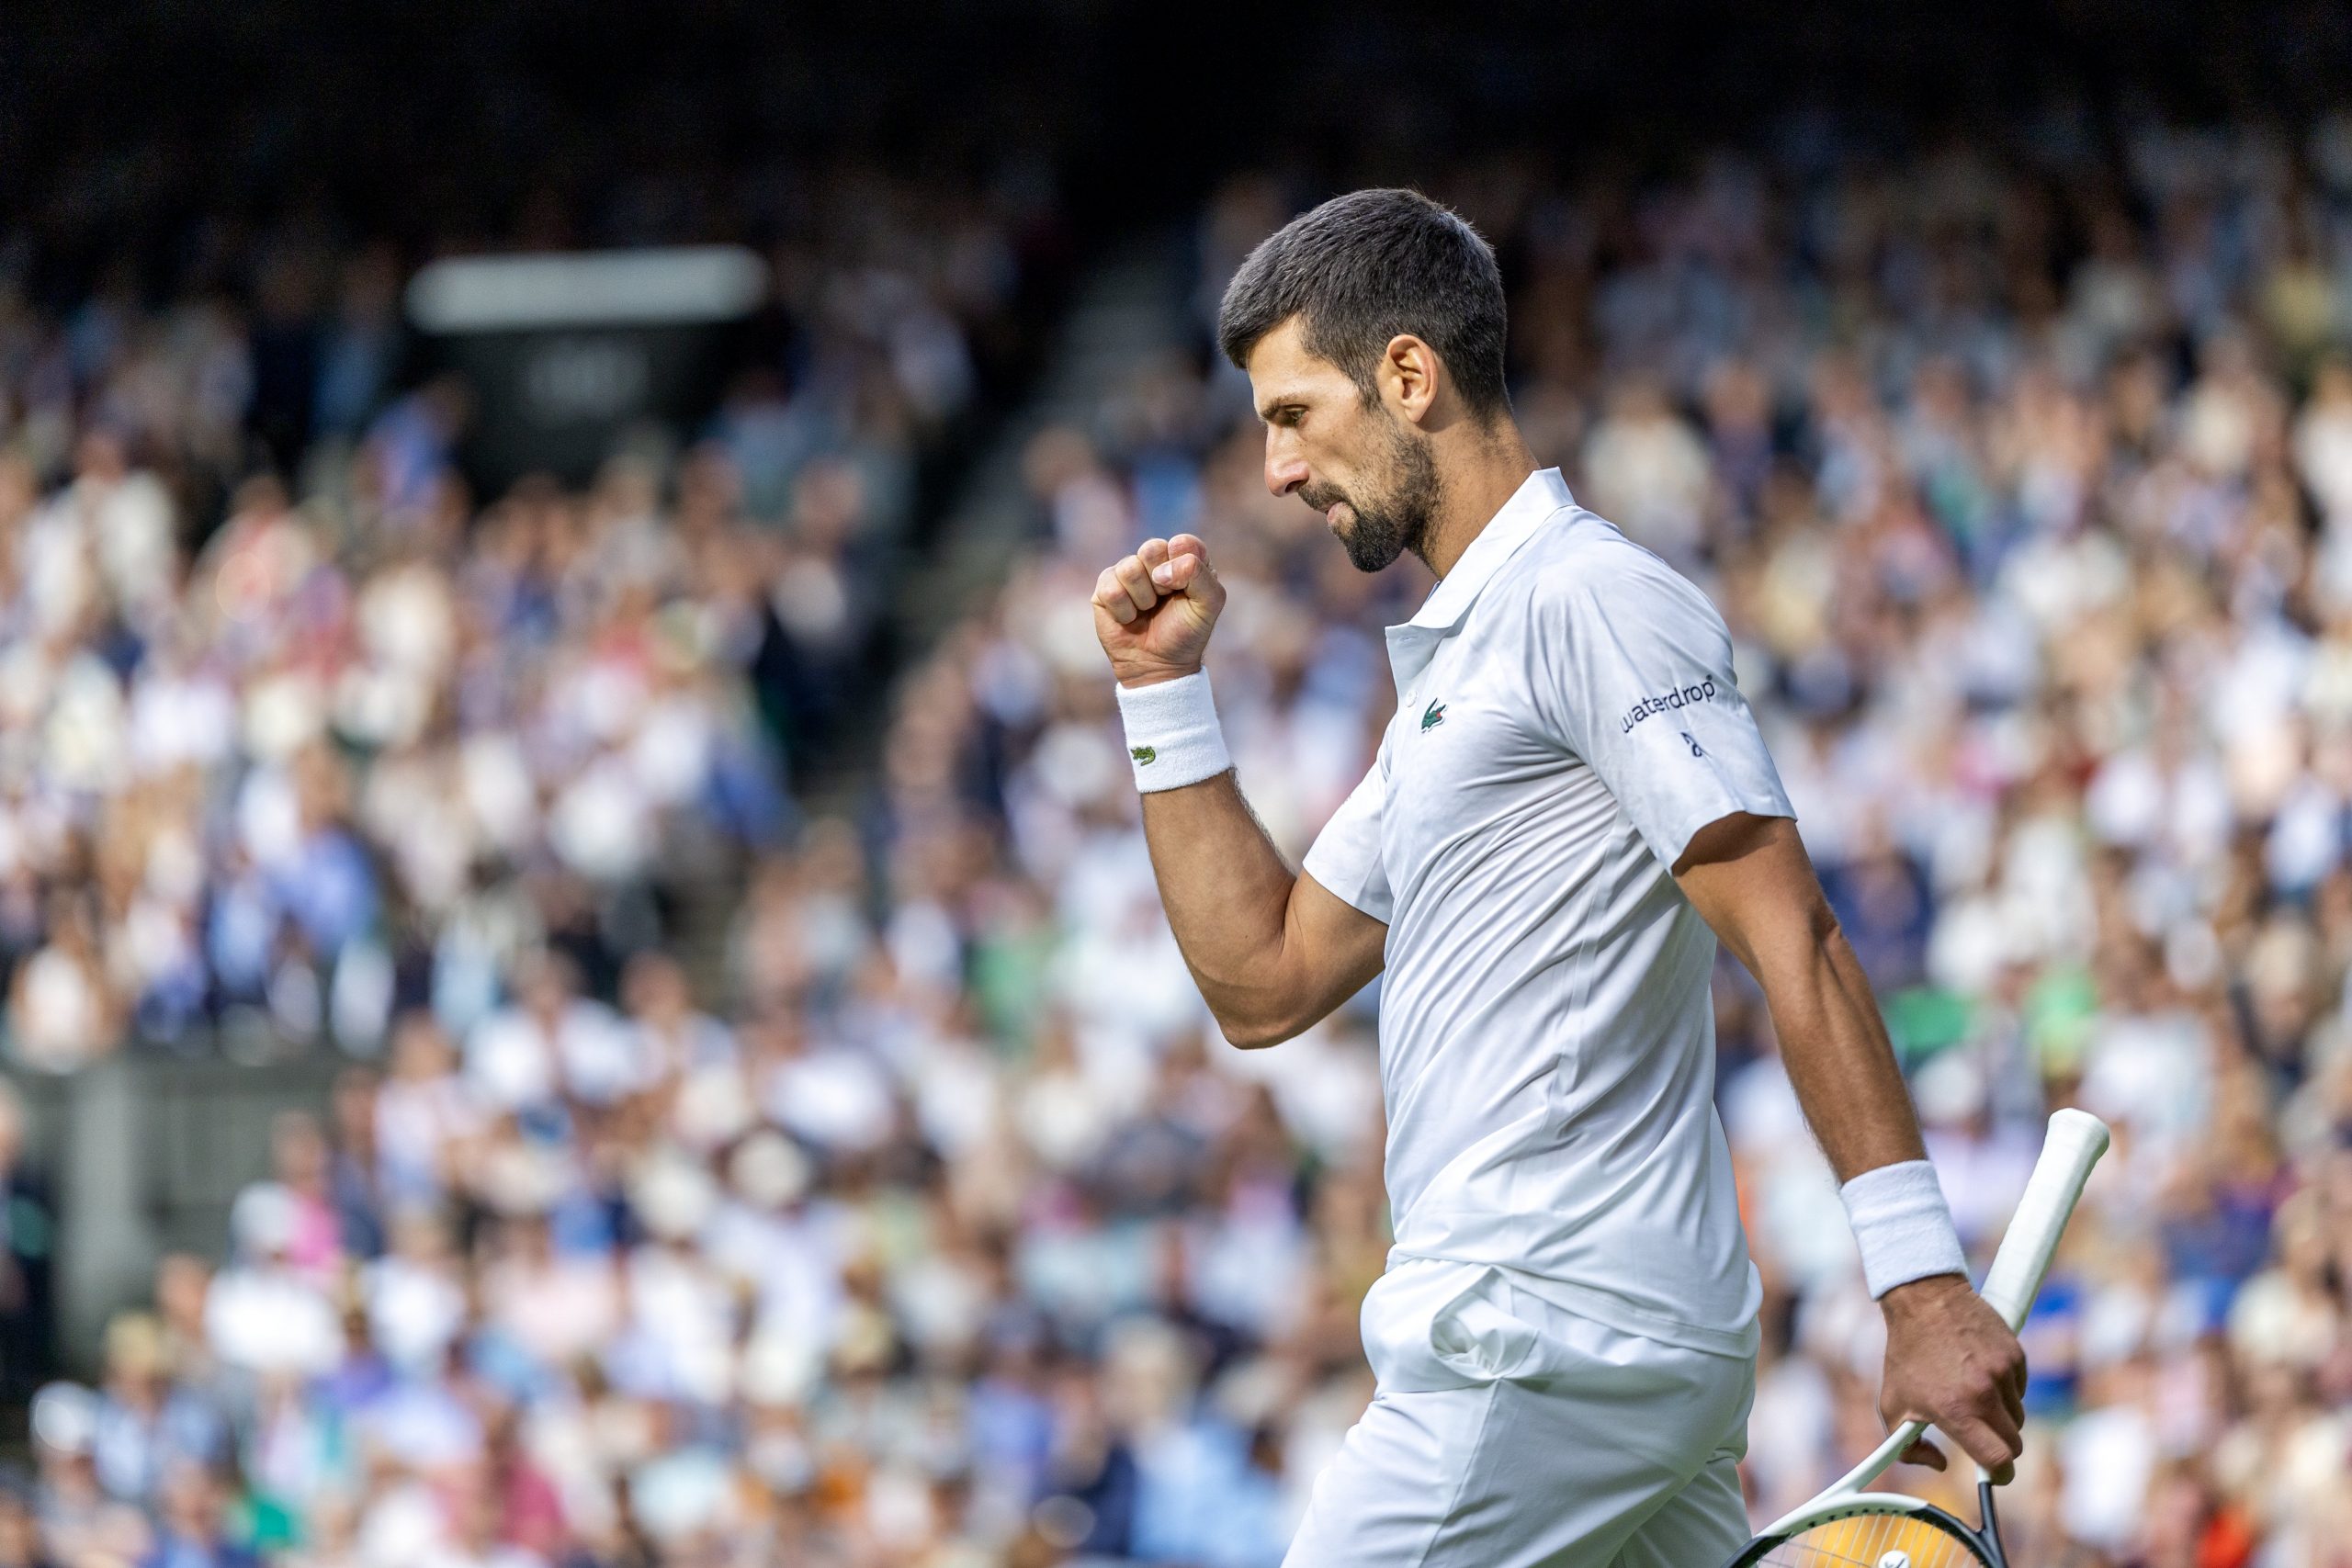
(2075, 1142)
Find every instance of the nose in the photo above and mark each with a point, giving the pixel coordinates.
(1284, 472)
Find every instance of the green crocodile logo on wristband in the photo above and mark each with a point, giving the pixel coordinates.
(1143, 753)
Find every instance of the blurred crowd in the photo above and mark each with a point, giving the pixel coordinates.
(940, 1228)
(297, 733)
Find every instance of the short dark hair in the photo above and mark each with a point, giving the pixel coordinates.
(1364, 267)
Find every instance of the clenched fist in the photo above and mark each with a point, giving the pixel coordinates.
(1154, 610)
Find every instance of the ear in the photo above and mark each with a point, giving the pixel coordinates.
(1409, 373)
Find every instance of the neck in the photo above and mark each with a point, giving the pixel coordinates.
(1484, 472)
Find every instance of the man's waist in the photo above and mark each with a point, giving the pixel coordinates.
(1688, 1283)
(1737, 1335)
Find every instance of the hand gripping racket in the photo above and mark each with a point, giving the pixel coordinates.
(1848, 1528)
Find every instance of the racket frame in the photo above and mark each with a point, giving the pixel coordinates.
(1984, 1539)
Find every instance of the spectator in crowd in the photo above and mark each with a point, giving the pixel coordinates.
(20, 1536)
(28, 1242)
(191, 1532)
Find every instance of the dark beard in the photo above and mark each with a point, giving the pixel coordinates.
(1396, 521)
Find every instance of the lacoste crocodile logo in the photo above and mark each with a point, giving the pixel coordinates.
(1144, 753)
(1432, 716)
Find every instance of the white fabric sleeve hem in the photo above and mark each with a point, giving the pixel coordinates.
(1675, 843)
(1345, 856)
(1173, 737)
(1902, 1225)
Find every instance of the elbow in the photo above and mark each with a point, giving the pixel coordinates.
(1796, 943)
(1255, 1031)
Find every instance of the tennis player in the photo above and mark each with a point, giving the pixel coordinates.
(1571, 805)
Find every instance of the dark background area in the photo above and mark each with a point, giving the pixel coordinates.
(133, 129)
(167, 150)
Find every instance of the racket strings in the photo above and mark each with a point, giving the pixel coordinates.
(1872, 1541)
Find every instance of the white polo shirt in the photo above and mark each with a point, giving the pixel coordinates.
(1565, 721)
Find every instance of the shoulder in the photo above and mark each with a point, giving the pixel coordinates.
(1581, 571)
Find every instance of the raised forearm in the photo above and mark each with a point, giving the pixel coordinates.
(1271, 951)
(1227, 895)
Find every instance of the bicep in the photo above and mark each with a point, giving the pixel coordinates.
(1331, 948)
(1750, 879)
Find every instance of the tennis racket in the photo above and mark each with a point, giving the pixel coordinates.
(1848, 1528)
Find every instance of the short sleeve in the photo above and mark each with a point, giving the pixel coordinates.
(1345, 856)
(1633, 671)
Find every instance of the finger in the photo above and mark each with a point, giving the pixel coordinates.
(1152, 552)
(2013, 1401)
(1111, 597)
(1984, 1440)
(1191, 576)
(1136, 580)
(1188, 570)
(1924, 1452)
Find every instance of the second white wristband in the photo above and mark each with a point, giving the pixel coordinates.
(1173, 737)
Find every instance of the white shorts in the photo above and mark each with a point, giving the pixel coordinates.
(1508, 1433)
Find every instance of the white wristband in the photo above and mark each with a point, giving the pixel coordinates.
(1902, 1225)
(1173, 737)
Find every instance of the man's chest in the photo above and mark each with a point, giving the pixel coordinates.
(1471, 774)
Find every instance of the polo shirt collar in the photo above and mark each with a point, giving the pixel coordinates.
(1543, 493)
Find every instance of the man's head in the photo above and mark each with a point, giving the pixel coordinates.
(1369, 327)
